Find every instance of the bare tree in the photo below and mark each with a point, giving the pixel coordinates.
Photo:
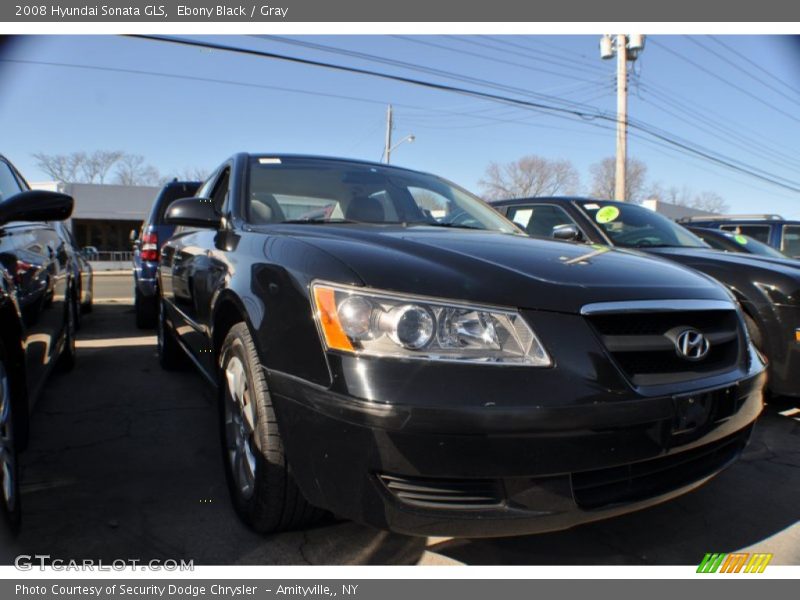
(710, 202)
(707, 201)
(529, 176)
(193, 174)
(604, 177)
(95, 166)
(133, 170)
(61, 167)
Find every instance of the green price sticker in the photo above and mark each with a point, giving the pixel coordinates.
(607, 214)
(741, 239)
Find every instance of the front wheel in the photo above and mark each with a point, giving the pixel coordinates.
(262, 488)
(9, 466)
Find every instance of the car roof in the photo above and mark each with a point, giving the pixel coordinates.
(552, 199)
(735, 221)
(368, 163)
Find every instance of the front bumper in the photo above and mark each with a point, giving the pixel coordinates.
(491, 469)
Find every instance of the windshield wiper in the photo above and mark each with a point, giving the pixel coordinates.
(438, 224)
(318, 221)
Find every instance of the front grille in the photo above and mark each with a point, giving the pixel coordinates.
(445, 493)
(647, 479)
(643, 343)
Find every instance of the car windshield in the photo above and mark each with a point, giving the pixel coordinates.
(303, 190)
(753, 246)
(633, 226)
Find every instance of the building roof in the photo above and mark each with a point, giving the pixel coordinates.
(94, 201)
(675, 211)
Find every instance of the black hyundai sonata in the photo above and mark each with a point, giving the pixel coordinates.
(387, 347)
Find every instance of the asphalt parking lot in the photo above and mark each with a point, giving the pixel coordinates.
(124, 463)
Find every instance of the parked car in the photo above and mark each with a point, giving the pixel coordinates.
(38, 306)
(82, 269)
(735, 242)
(773, 230)
(147, 244)
(767, 289)
(442, 375)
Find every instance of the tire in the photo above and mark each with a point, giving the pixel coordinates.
(170, 355)
(10, 510)
(77, 299)
(262, 488)
(146, 310)
(66, 362)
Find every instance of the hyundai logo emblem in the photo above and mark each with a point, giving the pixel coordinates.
(692, 345)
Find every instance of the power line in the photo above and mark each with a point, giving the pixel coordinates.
(752, 63)
(699, 123)
(711, 73)
(418, 68)
(741, 69)
(484, 57)
(529, 55)
(694, 112)
(555, 110)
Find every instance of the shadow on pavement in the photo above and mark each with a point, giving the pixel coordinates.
(124, 463)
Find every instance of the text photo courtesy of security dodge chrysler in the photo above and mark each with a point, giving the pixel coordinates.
(389, 348)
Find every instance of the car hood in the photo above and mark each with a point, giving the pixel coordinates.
(500, 269)
(695, 257)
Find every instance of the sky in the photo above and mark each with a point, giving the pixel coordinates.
(734, 97)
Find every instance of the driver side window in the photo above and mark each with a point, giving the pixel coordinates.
(539, 220)
(219, 196)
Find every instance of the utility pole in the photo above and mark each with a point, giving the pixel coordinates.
(387, 148)
(626, 48)
(622, 118)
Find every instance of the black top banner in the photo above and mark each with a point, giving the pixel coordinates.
(193, 11)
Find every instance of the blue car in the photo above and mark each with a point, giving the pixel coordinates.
(772, 230)
(147, 246)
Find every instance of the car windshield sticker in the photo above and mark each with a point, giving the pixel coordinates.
(591, 206)
(741, 239)
(606, 214)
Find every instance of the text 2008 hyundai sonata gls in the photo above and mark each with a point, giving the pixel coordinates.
(389, 348)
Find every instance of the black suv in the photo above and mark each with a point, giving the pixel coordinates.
(768, 289)
(147, 245)
(388, 347)
(38, 307)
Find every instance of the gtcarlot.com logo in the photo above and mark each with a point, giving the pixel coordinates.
(42, 562)
(736, 562)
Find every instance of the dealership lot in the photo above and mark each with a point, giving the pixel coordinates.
(124, 463)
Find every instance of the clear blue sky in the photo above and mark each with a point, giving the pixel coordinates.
(178, 123)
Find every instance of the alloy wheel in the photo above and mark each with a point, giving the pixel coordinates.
(239, 427)
(8, 471)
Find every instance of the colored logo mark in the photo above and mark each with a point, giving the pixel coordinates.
(736, 562)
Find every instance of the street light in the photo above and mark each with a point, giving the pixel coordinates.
(409, 138)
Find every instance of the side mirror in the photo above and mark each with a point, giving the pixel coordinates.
(567, 233)
(193, 212)
(36, 205)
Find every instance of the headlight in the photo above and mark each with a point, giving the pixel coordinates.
(372, 323)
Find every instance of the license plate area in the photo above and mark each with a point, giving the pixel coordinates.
(695, 412)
